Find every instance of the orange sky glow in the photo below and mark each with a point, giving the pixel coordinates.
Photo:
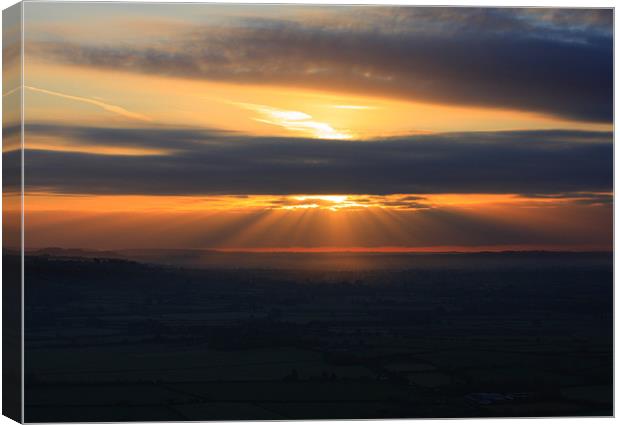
(90, 121)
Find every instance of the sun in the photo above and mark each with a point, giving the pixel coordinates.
(326, 202)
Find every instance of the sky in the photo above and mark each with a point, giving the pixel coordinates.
(317, 128)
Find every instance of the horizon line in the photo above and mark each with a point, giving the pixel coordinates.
(444, 249)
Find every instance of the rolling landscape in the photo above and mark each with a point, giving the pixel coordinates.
(413, 335)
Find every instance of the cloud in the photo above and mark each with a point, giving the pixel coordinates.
(294, 121)
(105, 106)
(349, 202)
(206, 162)
(546, 61)
(581, 198)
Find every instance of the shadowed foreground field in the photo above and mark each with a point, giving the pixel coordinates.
(452, 335)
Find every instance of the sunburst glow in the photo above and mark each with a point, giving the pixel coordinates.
(269, 130)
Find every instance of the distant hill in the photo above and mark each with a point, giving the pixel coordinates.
(75, 252)
(212, 259)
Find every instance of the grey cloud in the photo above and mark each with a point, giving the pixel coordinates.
(580, 198)
(557, 62)
(205, 162)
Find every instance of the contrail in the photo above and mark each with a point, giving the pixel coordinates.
(106, 106)
(10, 92)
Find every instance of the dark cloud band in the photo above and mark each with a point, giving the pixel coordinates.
(209, 162)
